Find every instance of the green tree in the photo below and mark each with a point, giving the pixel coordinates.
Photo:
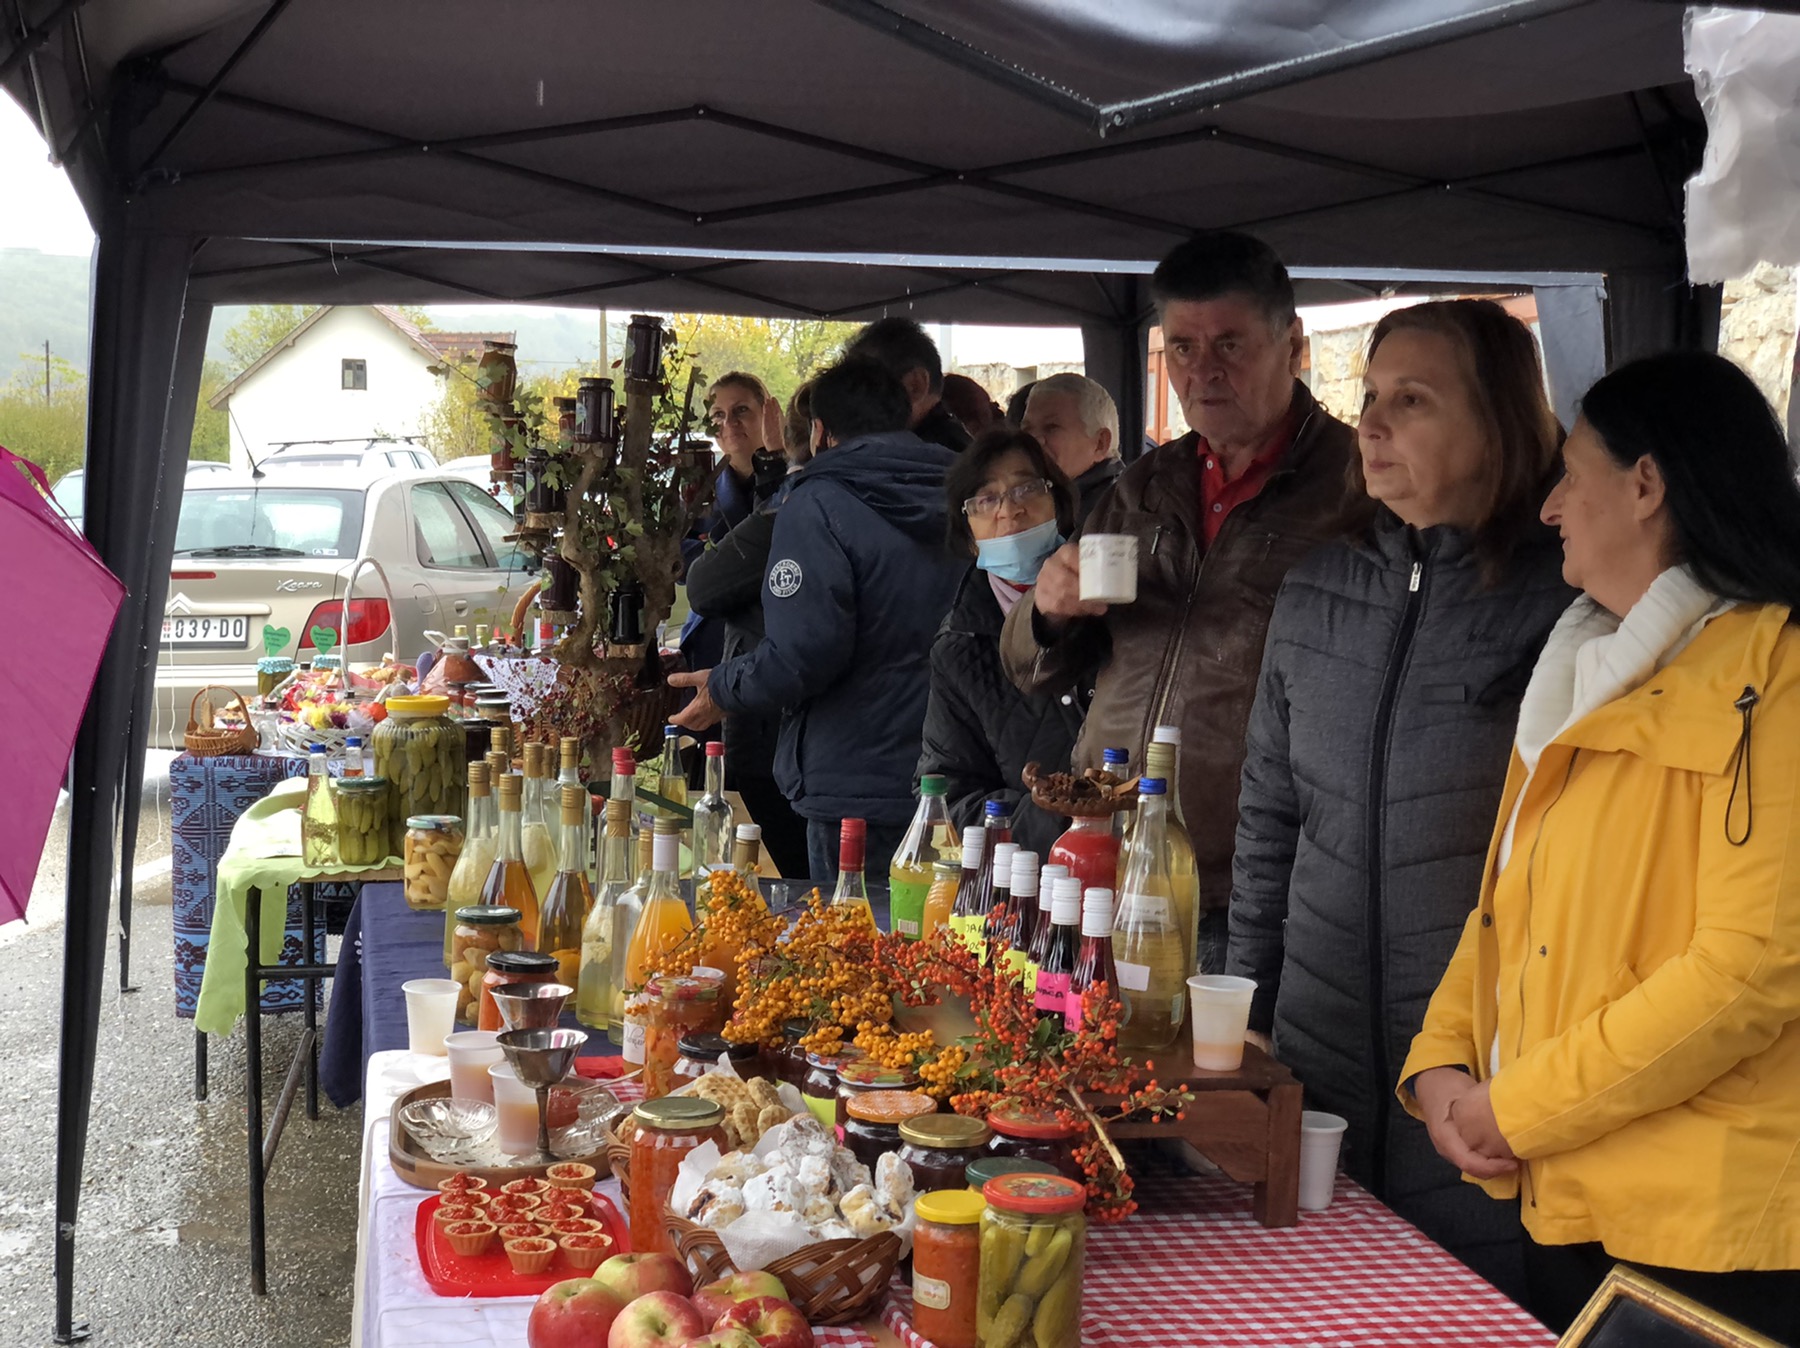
(50, 432)
(212, 432)
(782, 352)
(258, 330)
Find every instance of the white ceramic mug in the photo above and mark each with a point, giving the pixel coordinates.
(1109, 568)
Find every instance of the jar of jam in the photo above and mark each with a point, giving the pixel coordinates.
(481, 929)
(946, 1263)
(676, 1005)
(1036, 1137)
(939, 1147)
(992, 1167)
(789, 1061)
(865, 1077)
(700, 1055)
(1033, 1226)
(667, 1130)
(510, 966)
(873, 1127)
(819, 1087)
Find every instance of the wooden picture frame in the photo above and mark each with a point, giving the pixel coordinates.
(1633, 1311)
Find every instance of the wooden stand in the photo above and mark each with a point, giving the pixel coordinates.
(1245, 1122)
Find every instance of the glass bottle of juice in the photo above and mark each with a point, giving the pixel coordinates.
(852, 886)
(1052, 994)
(996, 818)
(480, 842)
(626, 910)
(565, 909)
(663, 922)
(568, 773)
(1017, 889)
(712, 818)
(593, 993)
(1048, 875)
(973, 886)
(999, 887)
(940, 902)
(1162, 759)
(508, 882)
(1090, 851)
(1094, 960)
(671, 781)
(1147, 947)
(927, 839)
(318, 818)
(538, 820)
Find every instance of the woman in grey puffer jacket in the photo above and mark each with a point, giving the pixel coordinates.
(1378, 745)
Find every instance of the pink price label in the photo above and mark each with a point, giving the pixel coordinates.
(1052, 992)
(1072, 1011)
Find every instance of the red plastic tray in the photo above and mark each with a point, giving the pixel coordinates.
(491, 1274)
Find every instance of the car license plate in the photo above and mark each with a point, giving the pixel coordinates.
(214, 631)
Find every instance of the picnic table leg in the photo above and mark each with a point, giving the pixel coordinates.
(253, 1103)
(310, 990)
(199, 1064)
(1277, 1200)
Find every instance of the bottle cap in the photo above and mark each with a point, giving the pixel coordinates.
(623, 761)
(575, 806)
(665, 852)
(1024, 875)
(1152, 786)
(749, 832)
(974, 846)
(315, 748)
(478, 777)
(1097, 912)
(1111, 756)
(997, 809)
(1167, 734)
(1003, 862)
(1065, 908)
(669, 730)
(932, 785)
(353, 742)
(715, 748)
(512, 790)
(852, 836)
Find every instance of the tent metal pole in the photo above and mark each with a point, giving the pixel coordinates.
(244, 48)
(31, 39)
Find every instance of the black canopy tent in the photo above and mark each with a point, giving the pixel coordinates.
(1020, 161)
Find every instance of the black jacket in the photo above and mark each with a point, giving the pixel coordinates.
(1376, 753)
(980, 731)
(939, 427)
(858, 582)
(724, 587)
(1094, 484)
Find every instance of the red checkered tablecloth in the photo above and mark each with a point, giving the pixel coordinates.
(1192, 1266)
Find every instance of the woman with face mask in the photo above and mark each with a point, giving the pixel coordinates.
(1009, 508)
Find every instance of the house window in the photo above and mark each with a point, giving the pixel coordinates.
(356, 374)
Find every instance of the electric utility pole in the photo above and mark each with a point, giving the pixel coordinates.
(46, 372)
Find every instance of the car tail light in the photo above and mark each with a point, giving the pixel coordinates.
(193, 575)
(368, 619)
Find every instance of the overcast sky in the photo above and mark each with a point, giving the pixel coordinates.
(38, 208)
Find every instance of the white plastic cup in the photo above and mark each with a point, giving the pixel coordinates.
(472, 1052)
(1221, 1017)
(1321, 1139)
(1109, 568)
(430, 1013)
(516, 1105)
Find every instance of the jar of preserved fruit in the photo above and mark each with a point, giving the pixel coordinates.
(700, 1054)
(873, 1126)
(819, 1086)
(1033, 1227)
(1036, 1137)
(946, 1264)
(667, 1130)
(865, 1077)
(510, 966)
(430, 848)
(939, 1147)
(270, 671)
(363, 835)
(480, 931)
(788, 1063)
(677, 1005)
(992, 1167)
(419, 749)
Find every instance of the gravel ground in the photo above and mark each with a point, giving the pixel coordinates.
(162, 1246)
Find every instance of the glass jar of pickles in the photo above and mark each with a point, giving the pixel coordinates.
(363, 836)
(938, 1149)
(992, 1167)
(271, 670)
(480, 931)
(419, 749)
(430, 848)
(1033, 1247)
(678, 1005)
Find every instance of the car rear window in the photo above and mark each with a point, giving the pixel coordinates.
(315, 521)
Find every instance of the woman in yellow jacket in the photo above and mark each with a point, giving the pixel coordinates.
(1615, 1044)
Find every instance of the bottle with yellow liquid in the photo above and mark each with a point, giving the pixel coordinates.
(318, 818)
(940, 902)
(671, 784)
(480, 842)
(928, 839)
(1162, 759)
(663, 922)
(565, 910)
(627, 908)
(538, 819)
(1147, 947)
(852, 886)
(594, 992)
(509, 882)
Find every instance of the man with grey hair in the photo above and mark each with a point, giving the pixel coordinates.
(1074, 419)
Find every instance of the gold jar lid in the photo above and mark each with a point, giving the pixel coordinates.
(678, 1113)
(952, 1132)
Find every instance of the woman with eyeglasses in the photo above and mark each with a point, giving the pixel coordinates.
(1009, 508)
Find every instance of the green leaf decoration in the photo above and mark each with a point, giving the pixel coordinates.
(324, 638)
(275, 639)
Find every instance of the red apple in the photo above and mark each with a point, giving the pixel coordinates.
(772, 1322)
(724, 1338)
(656, 1320)
(631, 1275)
(575, 1313)
(714, 1299)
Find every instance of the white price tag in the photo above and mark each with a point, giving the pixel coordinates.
(1134, 977)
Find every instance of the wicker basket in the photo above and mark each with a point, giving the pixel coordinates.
(204, 739)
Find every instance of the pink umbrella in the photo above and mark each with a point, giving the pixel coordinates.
(51, 568)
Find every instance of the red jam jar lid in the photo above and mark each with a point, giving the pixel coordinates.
(894, 1107)
(1033, 1124)
(874, 1076)
(1042, 1195)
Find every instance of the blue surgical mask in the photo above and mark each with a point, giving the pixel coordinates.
(1018, 557)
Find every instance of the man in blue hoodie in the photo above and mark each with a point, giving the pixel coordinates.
(858, 581)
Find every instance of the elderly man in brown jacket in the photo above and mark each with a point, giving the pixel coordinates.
(1220, 515)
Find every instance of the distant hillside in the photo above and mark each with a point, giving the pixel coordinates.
(42, 297)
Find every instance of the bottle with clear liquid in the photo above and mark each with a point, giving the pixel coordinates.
(928, 839)
(1162, 759)
(565, 911)
(852, 885)
(1118, 763)
(318, 818)
(663, 922)
(538, 820)
(594, 992)
(671, 781)
(627, 909)
(712, 819)
(1148, 951)
(970, 912)
(509, 881)
(569, 774)
(480, 842)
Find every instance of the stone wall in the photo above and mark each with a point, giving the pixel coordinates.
(1756, 329)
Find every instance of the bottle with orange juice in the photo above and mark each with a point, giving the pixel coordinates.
(663, 922)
